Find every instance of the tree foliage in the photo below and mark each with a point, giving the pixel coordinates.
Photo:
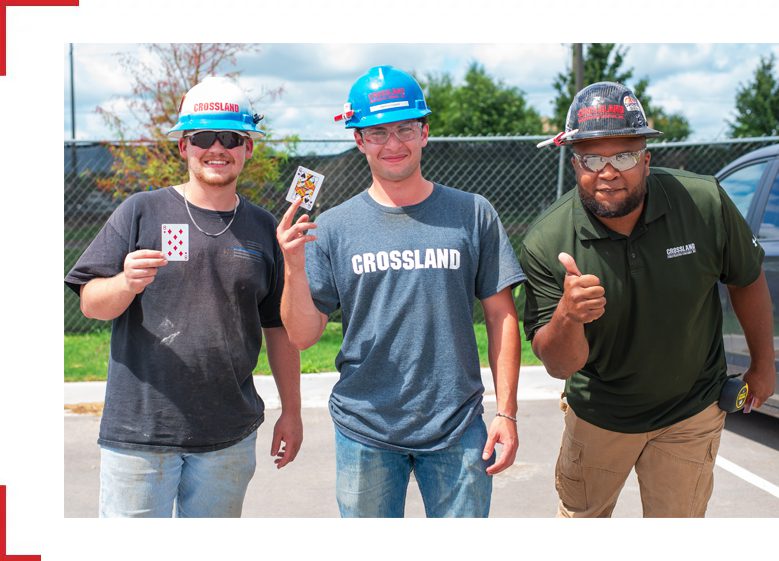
(480, 106)
(160, 75)
(757, 103)
(604, 62)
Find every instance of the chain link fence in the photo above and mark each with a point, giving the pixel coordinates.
(517, 178)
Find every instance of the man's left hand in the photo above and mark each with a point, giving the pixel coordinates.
(762, 383)
(502, 431)
(289, 430)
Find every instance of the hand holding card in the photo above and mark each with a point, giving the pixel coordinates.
(140, 268)
(305, 185)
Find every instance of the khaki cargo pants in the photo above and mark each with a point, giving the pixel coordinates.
(674, 466)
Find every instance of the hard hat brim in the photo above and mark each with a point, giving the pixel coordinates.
(645, 132)
(386, 117)
(213, 122)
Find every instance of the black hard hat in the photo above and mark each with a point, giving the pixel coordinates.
(605, 109)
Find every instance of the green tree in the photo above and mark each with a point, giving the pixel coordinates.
(757, 103)
(159, 80)
(480, 106)
(604, 62)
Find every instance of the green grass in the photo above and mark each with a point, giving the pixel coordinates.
(86, 355)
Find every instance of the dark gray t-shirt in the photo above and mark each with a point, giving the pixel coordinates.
(182, 354)
(406, 280)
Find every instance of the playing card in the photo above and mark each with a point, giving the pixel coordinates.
(175, 242)
(305, 185)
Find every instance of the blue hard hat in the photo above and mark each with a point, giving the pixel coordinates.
(216, 103)
(383, 95)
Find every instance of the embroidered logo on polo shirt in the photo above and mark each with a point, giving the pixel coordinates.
(687, 249)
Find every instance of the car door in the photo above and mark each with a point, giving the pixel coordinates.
(754, 187)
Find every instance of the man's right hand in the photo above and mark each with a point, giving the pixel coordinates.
(583, 298)
(140, 268)
(293, 237)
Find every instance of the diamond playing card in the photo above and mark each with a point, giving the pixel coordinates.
(175, 242)
(305, 185)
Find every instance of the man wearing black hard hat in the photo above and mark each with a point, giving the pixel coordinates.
(622, 303)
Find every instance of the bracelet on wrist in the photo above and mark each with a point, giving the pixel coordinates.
(509, 417)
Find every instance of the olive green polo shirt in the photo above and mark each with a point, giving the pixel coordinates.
(656, 355)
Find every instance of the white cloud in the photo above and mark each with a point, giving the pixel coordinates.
(698, 80)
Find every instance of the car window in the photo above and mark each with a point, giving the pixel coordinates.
(769, 226)
(742, 184)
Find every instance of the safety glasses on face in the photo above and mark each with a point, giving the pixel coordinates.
(621, 162)
(205, 139)
(381, 135)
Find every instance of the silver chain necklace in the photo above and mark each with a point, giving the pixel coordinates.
(235, 211)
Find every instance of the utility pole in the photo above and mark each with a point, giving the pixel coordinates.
(578, 66)
(72, 118)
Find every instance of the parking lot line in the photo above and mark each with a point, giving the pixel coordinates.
(748, 476)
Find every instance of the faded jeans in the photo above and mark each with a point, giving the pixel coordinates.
(372, 482)
(142, 484)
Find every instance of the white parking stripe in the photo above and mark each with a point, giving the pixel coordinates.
(748, 476)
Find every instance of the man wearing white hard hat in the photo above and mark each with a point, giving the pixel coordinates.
(405, 260)
(191, 276)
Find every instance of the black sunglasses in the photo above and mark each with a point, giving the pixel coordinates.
(205, 139)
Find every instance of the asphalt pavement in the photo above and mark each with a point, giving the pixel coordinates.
(746, 476)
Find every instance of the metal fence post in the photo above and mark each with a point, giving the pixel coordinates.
(561, 171)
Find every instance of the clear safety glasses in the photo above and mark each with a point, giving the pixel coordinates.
(206, 139)
(620, 162)
(381, 135)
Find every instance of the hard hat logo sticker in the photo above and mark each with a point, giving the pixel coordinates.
(215, 106)
(390, 105)
(392, 93)
(631, 104)
(601, 112)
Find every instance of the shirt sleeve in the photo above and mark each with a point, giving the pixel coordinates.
(319, 269)
(742, 255)
(543, 291)
(498, 266)
(270, 306)
(104, 257)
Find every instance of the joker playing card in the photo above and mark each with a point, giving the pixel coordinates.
(305, 185)
(175, 242)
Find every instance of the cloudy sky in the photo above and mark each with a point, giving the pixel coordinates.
(698, 80)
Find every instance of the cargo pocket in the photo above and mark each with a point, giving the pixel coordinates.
(711, 457)
(568, 475)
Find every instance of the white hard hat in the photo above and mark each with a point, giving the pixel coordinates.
(216, 103)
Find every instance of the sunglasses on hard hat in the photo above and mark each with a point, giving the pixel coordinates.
(620, 162)
(206, 139)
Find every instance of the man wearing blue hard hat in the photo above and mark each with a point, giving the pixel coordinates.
(191, 276)
(404, 261)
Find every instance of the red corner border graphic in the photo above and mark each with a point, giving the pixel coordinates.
(15, 3)
(3, 555)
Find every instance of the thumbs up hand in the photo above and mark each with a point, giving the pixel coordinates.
(583, 298)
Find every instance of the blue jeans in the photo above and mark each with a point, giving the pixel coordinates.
(142, 484)
(372, 482)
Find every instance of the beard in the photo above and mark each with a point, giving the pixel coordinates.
(611, 210)
(216, 180)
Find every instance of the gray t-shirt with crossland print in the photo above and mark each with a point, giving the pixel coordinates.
(406, 280)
